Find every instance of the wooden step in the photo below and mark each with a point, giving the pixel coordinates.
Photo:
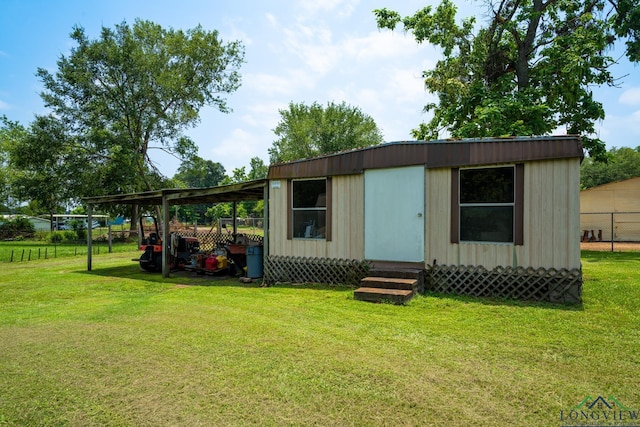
(396, 296)
(389, 283)
(400, 273)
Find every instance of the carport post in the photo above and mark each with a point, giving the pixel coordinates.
(89, 237)
(235, 216)
(265, 222)
(165, 235)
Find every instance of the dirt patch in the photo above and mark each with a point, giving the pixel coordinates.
(606, 246)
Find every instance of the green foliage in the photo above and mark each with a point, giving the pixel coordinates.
(78, 230)
(41, 235)
(66, 236)
(308, 131)
(134, 89)
(71, 235)
(247, 208)
(79, 210)
(56, 237)
(258, 170)
(621, 163)
(23, 224)
(527, 71)
(12, 228)
(10, 134)
(225, 210)
(45, 164)
(198, 172)
(5, 139)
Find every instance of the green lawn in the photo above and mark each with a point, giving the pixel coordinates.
(120, 347)
(31, 250)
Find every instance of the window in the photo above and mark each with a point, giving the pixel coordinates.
(487, 205)
(309, 209)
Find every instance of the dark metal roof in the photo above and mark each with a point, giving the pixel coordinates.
(433, 154)
(250, 190)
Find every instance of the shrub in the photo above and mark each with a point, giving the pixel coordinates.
(56, 237)
(15, 227)
(81, 234)
(23, 224)
(69, 235)
(41, 235)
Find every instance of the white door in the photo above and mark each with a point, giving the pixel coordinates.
(394, 214)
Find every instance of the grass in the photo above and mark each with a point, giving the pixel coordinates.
(120, 347)
(31, 250)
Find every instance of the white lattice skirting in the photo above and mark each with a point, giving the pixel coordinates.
(539, 284)
(519, 283)
(314, 270)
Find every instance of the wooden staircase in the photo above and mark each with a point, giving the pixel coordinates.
(396, 286)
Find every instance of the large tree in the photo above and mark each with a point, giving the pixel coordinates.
(622, 163)
(9, 132)
(528, 70)
(197, 172)
(44, 165)
(307, 131)
(137, 88)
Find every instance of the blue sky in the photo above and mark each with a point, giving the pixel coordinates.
(296, 51)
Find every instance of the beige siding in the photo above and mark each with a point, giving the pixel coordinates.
(621, 196)
(551, 221)
(347, 222)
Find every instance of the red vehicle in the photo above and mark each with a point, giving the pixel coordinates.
(180, 249)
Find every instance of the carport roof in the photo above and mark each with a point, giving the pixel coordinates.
(250, 190)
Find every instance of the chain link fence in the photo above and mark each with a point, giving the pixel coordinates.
(614, 231)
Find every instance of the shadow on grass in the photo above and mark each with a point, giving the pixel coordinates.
(134, 272)
(505, 302)
(599, 256)
(186, 278)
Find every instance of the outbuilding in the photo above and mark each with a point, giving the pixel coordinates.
(487, 217)
(496, 217)
(611, 212)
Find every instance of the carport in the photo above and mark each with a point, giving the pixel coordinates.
(244, 191)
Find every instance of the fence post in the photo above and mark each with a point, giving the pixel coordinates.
(611, 231)
(109, 239)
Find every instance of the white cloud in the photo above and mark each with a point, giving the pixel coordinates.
(406, 86)
(341, 8)
(368, 100)
(264, 115)
(620, 131)
(238, 148)
(4, 105)
(238, 34)
(288, 83)
(380, 45)
(316, 50)
(630, 96)
(313, 46)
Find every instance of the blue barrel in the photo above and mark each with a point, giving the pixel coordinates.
(254, 261)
